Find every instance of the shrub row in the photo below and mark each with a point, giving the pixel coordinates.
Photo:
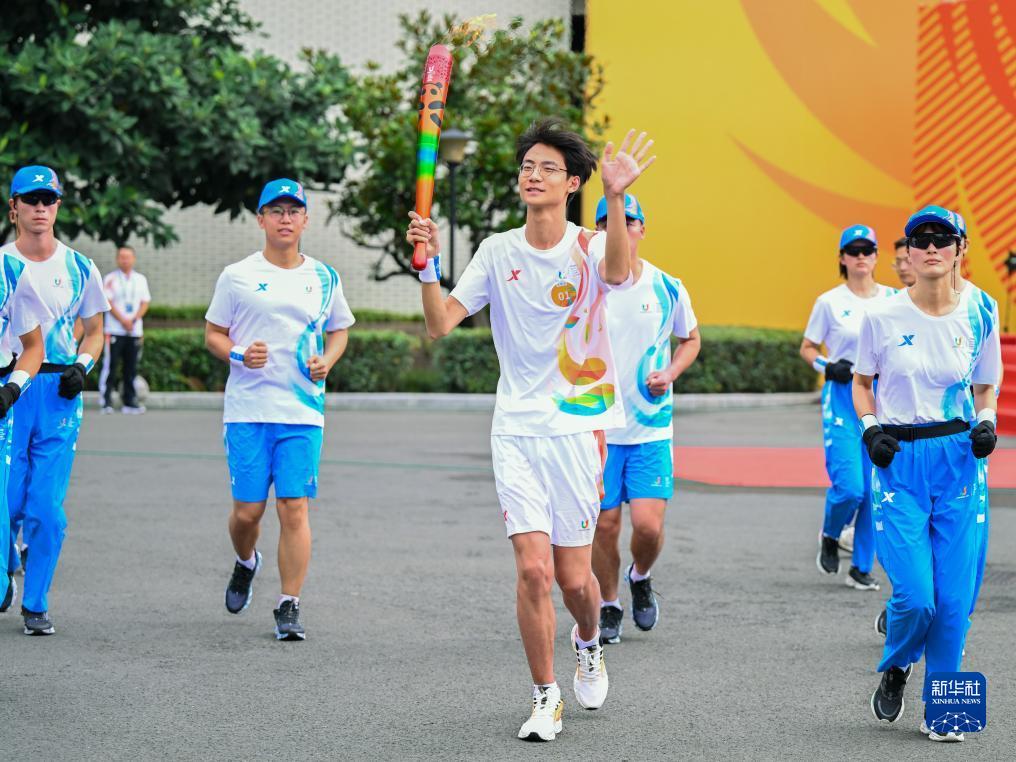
(195, 313)
(732, 360)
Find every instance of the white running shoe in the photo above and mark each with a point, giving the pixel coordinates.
(106, 410)
(545, 722)
(591, 681)
(136, 410)
(949, 737)
(846, 540)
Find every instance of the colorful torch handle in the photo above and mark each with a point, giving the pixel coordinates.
(437, 76)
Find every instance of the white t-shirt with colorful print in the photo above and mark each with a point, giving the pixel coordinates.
(548, 318)
(641, 320)
(290, 310)
(70, 286)
(21, 308)
(836, 319)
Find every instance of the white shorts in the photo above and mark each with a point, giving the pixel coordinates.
(550, 484)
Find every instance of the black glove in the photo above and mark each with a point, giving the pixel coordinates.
(72, 382)
(982, 439)
(841, 371)
(10, 392)
(882, 448)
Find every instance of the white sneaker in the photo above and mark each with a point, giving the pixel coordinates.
(846, 540)
(139, 410)
(590, 681)
(949, 737)
(545, 722)
(106, 410)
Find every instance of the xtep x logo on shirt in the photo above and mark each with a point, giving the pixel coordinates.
(907, 340)
(262, 287)
(846, 313)
(514, 274)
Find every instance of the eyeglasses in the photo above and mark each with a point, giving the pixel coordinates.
(859, 251)
(547, 169)
(34, 199)
(939, 240)
(278, 212)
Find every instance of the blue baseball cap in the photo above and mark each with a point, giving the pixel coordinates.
(937, 214)
(632, 209)
(35, 178)
(858, 233)
(282, 188)
(962, 224)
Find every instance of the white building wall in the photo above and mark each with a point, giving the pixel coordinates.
(358, 32)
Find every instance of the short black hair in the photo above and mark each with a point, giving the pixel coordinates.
(579, 159)
(901, 243)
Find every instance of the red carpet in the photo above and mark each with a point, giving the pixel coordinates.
(789, 466)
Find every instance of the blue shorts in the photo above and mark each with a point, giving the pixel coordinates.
(262, 454)
(638, 471)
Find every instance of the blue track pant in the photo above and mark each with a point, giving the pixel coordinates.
(5, 469)
(42, 453)
(849, 471)
(925, 507)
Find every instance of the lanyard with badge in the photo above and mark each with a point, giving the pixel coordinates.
(129, 298)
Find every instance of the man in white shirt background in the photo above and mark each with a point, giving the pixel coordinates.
(129, 297)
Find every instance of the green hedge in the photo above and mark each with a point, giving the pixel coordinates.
(732, 360)
(175, 359)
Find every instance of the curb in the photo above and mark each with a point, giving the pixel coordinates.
(683, 403)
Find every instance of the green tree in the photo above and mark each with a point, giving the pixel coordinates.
(498, 88)
(141, 106)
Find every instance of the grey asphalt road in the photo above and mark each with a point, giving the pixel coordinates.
(413, 651)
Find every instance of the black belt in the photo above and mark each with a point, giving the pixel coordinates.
(53, 367)
(913, 433)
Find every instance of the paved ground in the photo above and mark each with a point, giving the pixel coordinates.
(413, 651)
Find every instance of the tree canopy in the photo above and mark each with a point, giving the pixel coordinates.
(142, 106)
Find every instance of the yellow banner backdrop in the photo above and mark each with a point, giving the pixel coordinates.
(780, 122)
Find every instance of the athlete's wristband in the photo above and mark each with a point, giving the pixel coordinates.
(237, 353)
(86, 361)
(867, 421)
(985, 415)
(820, 363)
(20, 378)
(432, 272)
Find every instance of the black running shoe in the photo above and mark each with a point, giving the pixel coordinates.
(881, 623)
(37, 622)
(828, 559)
(611, 624)
(860, 580)
(12, 590)
(287, 622)
(887, 700)
(240, 590)
(644, 608)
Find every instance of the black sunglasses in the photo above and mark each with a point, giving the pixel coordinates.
(940, 240)
(858, 251)
(34, 199)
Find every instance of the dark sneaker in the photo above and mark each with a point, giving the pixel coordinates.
(860, 580)
(37, 622)
(644, 608)
(287, 622)
(828, 559)
(24, 558)
(887, 700)
(881, 623)
(12, 590)
(240, 590)
(611, 624)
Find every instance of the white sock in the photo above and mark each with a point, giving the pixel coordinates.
(250, 563)
(586, 643)
(634, 575)
(295, 599)
(616, 603)
(548, 687)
